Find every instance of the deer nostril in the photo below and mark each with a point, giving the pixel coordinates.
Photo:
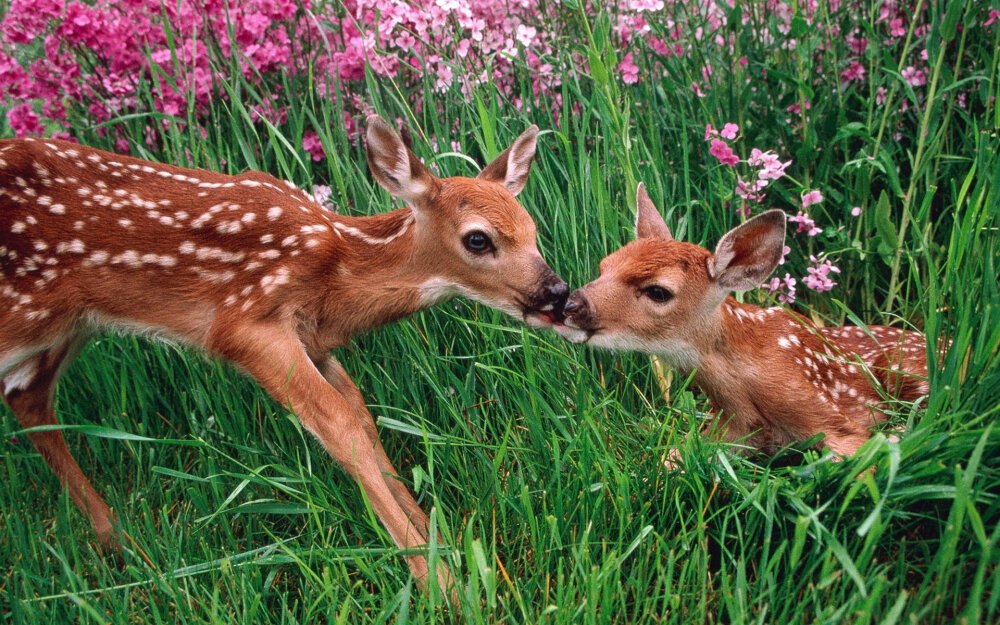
(571, 305)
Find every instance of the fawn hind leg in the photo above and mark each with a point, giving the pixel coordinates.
(29, 390)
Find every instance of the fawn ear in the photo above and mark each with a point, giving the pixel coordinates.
(648, 222)
(395, 167)
(511, 168)
(748, 253)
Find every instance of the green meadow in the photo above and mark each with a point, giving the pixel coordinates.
(541, 462)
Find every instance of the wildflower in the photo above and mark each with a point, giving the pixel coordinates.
(771, 166)
(788, 284)
(729, 131)
(526, 34)
(854, 71)
(321, 193)
(855, 211)
(750, 191)
(811, 197)
(312, 144)
(806, 224)
(994, 14)
(721, 150)
(818, 278)
(710, 132)
(913, 76)
(629, 70)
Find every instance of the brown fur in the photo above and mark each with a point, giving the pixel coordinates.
(772, 376)
(252, 269)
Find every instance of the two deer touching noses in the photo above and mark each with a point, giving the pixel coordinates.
(252, 269)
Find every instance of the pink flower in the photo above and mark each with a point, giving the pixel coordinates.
(896, 27)
(321, 193)
(750, 191)
(710, 132)
(855, 211)
(785, 287)
(697, 90)
(771, 166)
(854, 71)
(914, 76)
(629, 70)
(24, 121)
(994, 14)
(312, 144)
(721, 150)
(729, 131)
(810, 198)
(818, 278)
(806, 224)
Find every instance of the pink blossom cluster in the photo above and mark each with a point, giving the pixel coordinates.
(819, 278)
(765, 168)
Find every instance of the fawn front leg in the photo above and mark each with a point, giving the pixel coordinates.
(275, 357)
(335, 374)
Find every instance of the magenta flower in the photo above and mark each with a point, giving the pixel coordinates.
(811, 197)
(729, 131)
(913, 76)
(710, 132)
(721, 150)
(629, 70)
(994, 14)
(818, 278)
(854, 71)
(771, 166)
(784, 287)
(312, 144)
(806, 224)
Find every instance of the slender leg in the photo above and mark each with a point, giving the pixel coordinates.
(334, 373)
(273, 355)
(29, 390)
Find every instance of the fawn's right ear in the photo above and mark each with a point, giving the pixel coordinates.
(748, 253)
(648, 222)
(395, 167)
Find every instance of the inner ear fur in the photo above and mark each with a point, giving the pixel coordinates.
(395, 167)
(512, 167)
(748, 253)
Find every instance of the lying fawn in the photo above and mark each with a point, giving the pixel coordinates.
(252, 269)
(772, 376)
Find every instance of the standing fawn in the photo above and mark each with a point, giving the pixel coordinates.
(772, 376)
(251, 269)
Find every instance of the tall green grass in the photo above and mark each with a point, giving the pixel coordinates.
(542, 461)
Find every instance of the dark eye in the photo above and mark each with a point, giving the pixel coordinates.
(477, 242)
(657, 293)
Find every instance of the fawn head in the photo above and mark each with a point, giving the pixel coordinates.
(655, 294)
(471, 235)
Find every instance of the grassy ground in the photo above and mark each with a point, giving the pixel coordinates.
(542, 461)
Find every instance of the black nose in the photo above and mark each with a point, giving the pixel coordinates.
(557, 291)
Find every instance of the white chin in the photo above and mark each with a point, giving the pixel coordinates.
(573, 335)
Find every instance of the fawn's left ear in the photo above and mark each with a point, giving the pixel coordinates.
(748, 253)
(512, 167)
(395, 167)
(648, 222)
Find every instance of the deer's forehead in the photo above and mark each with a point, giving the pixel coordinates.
(649, 260)
(469, 199)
